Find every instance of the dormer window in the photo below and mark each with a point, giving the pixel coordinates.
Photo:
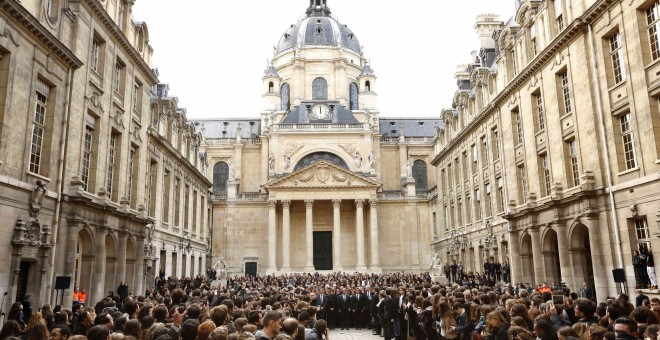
(286, 36)
(350, 36)
(319, 30)
(367, 86)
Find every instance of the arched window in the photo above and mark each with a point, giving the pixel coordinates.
(353, 91)
(220, 177)
(320, 156)
(271, 87)
(367, 86)
(319, 89)
(420, 174)
(285, 97)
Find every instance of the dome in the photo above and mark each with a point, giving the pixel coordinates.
(318, 29)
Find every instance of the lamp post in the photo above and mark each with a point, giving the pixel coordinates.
(459, 241)
(188, 247)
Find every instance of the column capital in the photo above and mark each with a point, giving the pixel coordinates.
(272, 203)
(336, 203)
(373, 203)
(309, 204)
(359, 203)
(286, 204)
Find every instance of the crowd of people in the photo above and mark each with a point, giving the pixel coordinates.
(308, 306)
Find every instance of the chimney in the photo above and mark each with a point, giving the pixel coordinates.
(485, 25)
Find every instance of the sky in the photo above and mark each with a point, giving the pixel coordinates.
(213, 53)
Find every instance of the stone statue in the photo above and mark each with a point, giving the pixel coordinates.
(435, 265)
(271, 162)
(287, 162)
(221, 267)
(372, 161)
(409, 168)
(358, 161)
(232, 171)
(37, 198)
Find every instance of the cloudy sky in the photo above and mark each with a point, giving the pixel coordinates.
(213, 53)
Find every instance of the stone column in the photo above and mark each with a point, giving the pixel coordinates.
(336, 236)
(538, 258)
(565, 257)
(286, 236)
(272, 237)
(168, 263)
(515, 261)
(120, 275)
(309, 235)
(96, 293)
(359, 227)
(373, 226)
(140, 268)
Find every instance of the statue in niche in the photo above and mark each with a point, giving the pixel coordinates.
(358, 161)
(37, 198)
(287, 162)
(232, 171)
(372, 161)
(409, 168)
(271, 162)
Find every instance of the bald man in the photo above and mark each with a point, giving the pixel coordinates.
(290, 327)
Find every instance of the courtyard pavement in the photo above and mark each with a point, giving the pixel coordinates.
(352, 334)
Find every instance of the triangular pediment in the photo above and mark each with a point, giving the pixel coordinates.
(325, 175)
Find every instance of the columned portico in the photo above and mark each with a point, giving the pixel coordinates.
(272, 237)
(373, 226)
(336, 235)
(359, 225)
(286, 236)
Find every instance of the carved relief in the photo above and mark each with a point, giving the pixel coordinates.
(95, 100)
(349, 148)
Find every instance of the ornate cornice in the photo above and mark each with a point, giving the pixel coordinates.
(18, 13)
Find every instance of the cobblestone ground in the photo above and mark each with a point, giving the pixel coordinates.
(352, 334)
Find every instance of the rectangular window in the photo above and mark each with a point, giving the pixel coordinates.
(464, 165)
(177, 197)
(112, 157)
(642, 229)
(522, 183)
(477, 205)
(137, 96)
(538, 108)
(120, 14)
(95, 56)
(484, 151)
(532, 31)
(119, 77)
(559, 14)
(566, 92)
(546, 179)
(475, 159)
(87, 155)
(459, 213)
(628, 142)
(653, 29)
(446, 218)
(133, 164)
(450, 177)
(518, 132)
(496, 145)
(514, 64)
(574, 170)
(39, 127)
(500, 195)
(166, 196)
(489, 201)
(616, 54)
(194, 212)
(151, 189)
(468, 210)
(186, 207)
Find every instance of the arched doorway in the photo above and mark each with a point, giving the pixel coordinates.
(551, 257)
(580, 251)
(527, 258)
(84, 259)
(110, 262)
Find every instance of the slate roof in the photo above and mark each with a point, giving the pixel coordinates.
(412, 127)
(306, 33)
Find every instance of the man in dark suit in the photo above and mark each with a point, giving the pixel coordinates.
(330, 308)
(319, 302)
(343, 302)
(464, 326)
(373, 311)
(487, 269)
(355, 308)
(390, 314)
(401, 312)
(453, 268)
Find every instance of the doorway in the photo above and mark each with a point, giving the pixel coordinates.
(23, 280)
(323, 250)
(251, 269)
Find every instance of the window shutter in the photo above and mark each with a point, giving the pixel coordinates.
(558, 8)
(42, 87)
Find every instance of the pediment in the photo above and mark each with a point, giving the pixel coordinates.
(323, 174)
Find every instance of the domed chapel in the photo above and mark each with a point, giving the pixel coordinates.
(318, 180)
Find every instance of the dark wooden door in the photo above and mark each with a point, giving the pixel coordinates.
(323, 250)
(23, 281)
(251, 269)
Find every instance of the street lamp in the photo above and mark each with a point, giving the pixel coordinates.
(491, 240)
(188, 247)
(459, 241)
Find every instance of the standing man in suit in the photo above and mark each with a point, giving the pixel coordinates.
(389, 312)
(465, 325)
(343, 302)
(319, 302)
(454, 268)
(487, 269)
(330, 309)
(401, 312)
(373, 311)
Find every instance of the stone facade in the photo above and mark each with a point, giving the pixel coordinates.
(561, 108)
(86, 137)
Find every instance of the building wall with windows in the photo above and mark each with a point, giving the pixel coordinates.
(572, 90)
(85, 134)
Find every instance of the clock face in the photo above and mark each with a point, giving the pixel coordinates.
(320, 111)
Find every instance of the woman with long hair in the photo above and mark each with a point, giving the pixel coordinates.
(38, 332)
(35, 319)
(16, 313)
(496, 326)
(447, 321)
(48, 316)
(10, 328)
(85, 322)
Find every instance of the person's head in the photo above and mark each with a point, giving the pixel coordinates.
(220, 315)
(98, 332)
(204, 329)
(495, 319)
(542, 327)
(272, 323)
(565, 332)
(320, 326)
(584, 308)
(625, 326)
(60, 332)
(188, 329)
(290, 326)
(651, 332)
(132, 308)
(133, 327)
(220, 333)
(38, 332)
